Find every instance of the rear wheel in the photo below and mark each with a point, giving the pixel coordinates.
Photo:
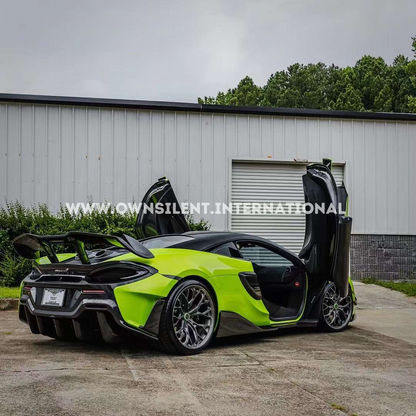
(336, 312)
(188, 319)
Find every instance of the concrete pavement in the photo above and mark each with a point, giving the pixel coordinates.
(366, 370)
(386, 311)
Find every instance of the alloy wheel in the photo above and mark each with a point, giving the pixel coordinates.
(193, 316)
(336, 310)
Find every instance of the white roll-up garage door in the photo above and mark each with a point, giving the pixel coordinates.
(271, 183)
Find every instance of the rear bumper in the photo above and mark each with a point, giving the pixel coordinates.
(95, 311)
(89, 319)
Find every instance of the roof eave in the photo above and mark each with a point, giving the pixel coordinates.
(201, 108)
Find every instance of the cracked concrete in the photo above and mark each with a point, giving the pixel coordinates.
(370, 369)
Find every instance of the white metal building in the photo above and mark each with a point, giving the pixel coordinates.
(61, 149)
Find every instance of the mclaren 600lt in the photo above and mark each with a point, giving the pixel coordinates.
(182, 289)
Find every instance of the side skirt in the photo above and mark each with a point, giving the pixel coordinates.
(232, 324)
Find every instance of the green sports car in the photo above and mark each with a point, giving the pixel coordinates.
(182, 289)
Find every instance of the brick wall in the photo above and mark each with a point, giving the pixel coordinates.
(385, 257)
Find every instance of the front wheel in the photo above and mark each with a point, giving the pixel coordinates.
(188, 318)
(336, 312)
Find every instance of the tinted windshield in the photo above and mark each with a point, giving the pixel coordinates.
(165, 241)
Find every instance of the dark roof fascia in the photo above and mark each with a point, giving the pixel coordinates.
(202, 108)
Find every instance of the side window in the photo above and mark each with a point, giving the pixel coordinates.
(261, 256)
(227, 249)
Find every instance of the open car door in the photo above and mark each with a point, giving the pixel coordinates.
(160, 212)
(327, 236)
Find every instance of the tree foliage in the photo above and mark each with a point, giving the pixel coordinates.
(370, 85)
(246, 93)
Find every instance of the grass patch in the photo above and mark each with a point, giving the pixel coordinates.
(9, 292)
(408, 288)
(338, 407)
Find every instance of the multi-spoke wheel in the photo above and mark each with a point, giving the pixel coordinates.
(188, 318)
(336, 312)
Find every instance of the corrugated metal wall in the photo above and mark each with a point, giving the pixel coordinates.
(277, 183)
(59, 154)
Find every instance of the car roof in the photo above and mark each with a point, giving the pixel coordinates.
(208, 240)
(204, 240)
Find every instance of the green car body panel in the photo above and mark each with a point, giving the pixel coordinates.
(219, 271)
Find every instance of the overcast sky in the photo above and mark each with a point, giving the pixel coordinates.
(178, 50)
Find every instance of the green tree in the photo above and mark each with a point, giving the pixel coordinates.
(372, 76)
(370, 85)
(384, 100)
(344, 92)
(245, 94)
(348, 100)
(411, 71)
(412, 104)
(414, 46)
(400, 83)
(301, 86)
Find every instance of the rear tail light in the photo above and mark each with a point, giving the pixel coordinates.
(29, 290)
(26, 290)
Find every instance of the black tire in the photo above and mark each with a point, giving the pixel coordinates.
(169, 338)
(335, 308)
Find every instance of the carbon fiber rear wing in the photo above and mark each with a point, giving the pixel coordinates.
(29, 246)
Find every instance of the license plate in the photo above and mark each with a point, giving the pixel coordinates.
(53, 297)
